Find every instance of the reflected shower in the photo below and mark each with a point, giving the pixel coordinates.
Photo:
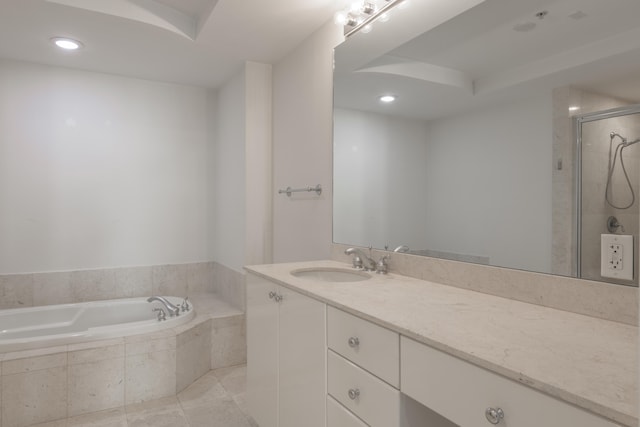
(613, 156)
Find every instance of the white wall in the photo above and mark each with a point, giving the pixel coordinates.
(229, 216)
(380, 166)
(302, 152)
(489, 184)
(99, 170)
(242, 215)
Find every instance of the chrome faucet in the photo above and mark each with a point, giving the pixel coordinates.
(360, 259)
(173, 310)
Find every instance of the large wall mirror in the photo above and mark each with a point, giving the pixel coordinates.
(511, 140)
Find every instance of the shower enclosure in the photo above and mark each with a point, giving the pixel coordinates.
(608, 160)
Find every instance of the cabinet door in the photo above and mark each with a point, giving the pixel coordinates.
(302, 354)
(262, 351)
(461, 392)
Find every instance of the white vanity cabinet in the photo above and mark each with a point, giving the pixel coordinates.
(463, 392)
(286, 356)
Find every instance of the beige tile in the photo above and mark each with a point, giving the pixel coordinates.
(157, 413)
(34, 397)
(193, 357)
(92, 285)
(169, 280)
(133, 282)
(233, 379)
(108, 418)
(205, 390)
(97, 354)
(57, 423)
(96, 386)
(151, 345)
(26, 354)
(36, 363)
(16, 290)
(52, 288)
(200, 278)
(150, 376)
(228, 342)
(229, 285)
(192, 330)
(218, 413)
(90, 345)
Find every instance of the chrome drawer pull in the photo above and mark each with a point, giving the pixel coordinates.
(494, 415)
(354, 342)
(278, 298)
(272, 295)
(354, 393)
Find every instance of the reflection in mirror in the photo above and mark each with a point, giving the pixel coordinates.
(497, 147)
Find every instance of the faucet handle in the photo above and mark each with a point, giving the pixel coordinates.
(185, 305)
(382, 266)
(161, 314)
(357, 262)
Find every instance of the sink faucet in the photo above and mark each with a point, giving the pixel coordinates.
(360, 259)
(173, 310)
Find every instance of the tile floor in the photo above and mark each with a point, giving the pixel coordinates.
(217, 399)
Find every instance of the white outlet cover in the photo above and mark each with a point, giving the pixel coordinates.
(616, 256)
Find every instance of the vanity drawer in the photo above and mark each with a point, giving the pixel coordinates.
(368, 397)
(370, 346)
(339, 416)
(462, 392)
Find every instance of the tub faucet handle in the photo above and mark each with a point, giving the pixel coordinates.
(161, 314)
(185, 304)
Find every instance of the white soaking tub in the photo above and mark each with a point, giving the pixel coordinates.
(53, 325)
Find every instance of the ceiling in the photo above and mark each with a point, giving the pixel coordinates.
(496, 51)
(196, 42)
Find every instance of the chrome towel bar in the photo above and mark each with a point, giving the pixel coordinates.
(289, 190)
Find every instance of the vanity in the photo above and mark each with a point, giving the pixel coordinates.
(331, 348)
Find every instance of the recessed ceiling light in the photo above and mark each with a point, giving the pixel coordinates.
(66, 43)
(387, 98)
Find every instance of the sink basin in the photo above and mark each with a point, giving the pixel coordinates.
(326, 274)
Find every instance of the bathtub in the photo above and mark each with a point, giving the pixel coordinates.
(54, 325)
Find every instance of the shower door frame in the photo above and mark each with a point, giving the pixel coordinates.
(578, 121)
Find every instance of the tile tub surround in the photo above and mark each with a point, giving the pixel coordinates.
(598, 299)
(67, 381)
(588, 362)
(217, 399)
(34, 289)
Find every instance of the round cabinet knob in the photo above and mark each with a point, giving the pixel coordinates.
(278, 298)
(494, 415)
(354, 393)
(272, 295)
(354, 342)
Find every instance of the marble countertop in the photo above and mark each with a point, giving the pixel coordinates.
(589, 362)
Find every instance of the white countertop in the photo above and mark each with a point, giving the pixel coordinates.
(590, 362)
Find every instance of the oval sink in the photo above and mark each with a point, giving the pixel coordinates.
(331, 274)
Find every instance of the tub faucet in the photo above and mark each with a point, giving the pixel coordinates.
(173, 310)
(360, 259)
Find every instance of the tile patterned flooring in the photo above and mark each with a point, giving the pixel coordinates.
(217, 399)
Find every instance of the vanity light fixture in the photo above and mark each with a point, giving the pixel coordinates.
(574, 108)
(66, 43)
(361, 15)
(387, 98)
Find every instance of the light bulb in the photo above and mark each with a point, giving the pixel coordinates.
(66, 43)
(387, 98)
(340, 18)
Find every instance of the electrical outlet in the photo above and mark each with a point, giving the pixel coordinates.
(615, 256)
(616, 259)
